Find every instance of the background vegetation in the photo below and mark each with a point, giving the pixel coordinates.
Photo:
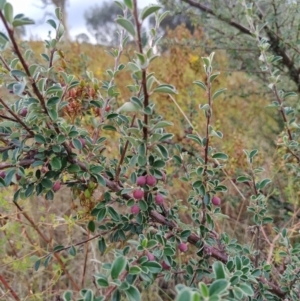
(57, 242)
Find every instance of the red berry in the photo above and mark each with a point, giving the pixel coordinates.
(165, 266)
(150, 256)
(216, 201)
(24, 112)
(182, 247)
(135, 209)
(150, 180)
(2, 174)
(56, 186)
(82, 140)
(18, 177)
(159, 199)
(141, 181)
(108, 107)
(138, 194)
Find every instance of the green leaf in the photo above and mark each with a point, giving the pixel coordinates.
(39, 139)
(77, 143)
(58, 13)
(9, 176)
(37, 265)
(9, 12)
(114, 214)
(162, 124)
(218, 287)
(133, 294)
(18, 73)
(203, 289)
(169, 89)
(153, 266)
(91, 226)
(118, 267)
(242, 179)
(263, 183)
(47, 183)
(55, 163)
(52, 23)
(128, 3)
(116, 296)
(28, 191)
(289, 94)
(219, 270)
(184, 295)
(101, 214)
(72, 251)
(58, 248)
(247, 289)
(88, 296)
(213, 77)
(127, 25)
(101, 245)
(109, 127)
(22, 21)
(163, 16)
(128, 107)
(100, 179)
(18, 88)
(200, 84)
(217, 93)
(220, 156)
(53, 101)
(67, 296)
(73, 168)
(54, 89)
(195, 138)
(148, 10)
(135, 270)
(102, 281)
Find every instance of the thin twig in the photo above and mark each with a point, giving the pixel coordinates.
(7, 286)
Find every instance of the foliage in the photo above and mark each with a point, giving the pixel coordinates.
(226, 26)
(152, 205)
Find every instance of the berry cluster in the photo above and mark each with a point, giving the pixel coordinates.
(139, 194)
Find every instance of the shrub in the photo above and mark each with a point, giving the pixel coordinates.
(45, 149)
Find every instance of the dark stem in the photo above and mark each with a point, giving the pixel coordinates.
(257, 227)
(47, 241)
(144, 73)
(22, 60)
(118, 170)
(208, 117)
(7, 286)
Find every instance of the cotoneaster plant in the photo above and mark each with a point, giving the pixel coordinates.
(139, 232)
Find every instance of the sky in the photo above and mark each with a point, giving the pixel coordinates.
(34, 9)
